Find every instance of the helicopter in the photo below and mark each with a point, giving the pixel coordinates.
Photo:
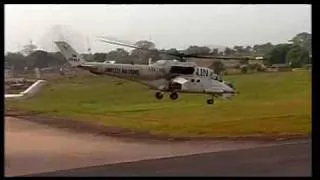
(163, 76)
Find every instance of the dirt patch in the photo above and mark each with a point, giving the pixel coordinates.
(98, 129)
(85, 127)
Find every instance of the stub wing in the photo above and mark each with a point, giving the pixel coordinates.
(215, 90)
(179, 80)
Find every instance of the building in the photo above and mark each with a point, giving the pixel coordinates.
(280, 67)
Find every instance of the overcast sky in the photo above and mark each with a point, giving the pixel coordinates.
(168, 26)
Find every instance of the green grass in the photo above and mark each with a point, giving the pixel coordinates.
(269, 104)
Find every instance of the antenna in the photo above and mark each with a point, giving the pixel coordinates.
(88, 46)
(28, 48)
(89, 56)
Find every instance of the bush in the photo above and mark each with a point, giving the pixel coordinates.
(244, 69)
(257, 67)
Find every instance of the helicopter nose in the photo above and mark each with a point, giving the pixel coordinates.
(230, 88)
(230, 85)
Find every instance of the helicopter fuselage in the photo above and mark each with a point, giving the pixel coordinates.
(164, 76)
(158, 76)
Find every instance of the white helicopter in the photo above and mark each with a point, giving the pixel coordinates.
(170, 76)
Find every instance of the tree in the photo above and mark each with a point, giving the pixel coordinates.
(247, 50)
(58, 58)
(239, 50)
(278, 54)
(229, 51)
(54, 59)
(99, 57)
(119, 55)
(42, 59)
(197, 50)
(303, 40)
(16, 60)
(38, 59)
(88, 57)
(262, 49)
(142, 56)
(168, 56)
(215, 52)
(297, 56)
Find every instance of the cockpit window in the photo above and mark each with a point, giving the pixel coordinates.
(181, 70)
(217, 78)
(214, 77)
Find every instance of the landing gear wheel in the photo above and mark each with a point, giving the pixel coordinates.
(210, 101)
(174, 96)
(159, 95)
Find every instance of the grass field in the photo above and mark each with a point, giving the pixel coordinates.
(270, 104)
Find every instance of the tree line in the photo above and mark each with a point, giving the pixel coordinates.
(296, 52)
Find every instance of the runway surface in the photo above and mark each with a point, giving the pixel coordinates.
(283, 160)
(51, 149)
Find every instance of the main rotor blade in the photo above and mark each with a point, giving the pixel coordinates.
(141, 48)
(219, 57)
(110, 38)
(225, 58)
(121, 44)
(179, 55)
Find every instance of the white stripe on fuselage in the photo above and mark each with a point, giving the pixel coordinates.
(126, 71)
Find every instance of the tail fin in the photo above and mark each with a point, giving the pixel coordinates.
(73, 58)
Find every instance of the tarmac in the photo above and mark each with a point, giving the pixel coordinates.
(290, 160)
(34, 149)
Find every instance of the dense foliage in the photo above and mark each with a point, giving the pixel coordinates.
(296, 52)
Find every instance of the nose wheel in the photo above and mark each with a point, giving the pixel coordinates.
(210, 101)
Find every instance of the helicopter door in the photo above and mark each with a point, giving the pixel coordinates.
(195, 84)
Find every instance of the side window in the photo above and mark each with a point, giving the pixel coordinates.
(192, 80)
(215, 77)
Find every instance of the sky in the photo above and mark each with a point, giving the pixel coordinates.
(168, 26)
